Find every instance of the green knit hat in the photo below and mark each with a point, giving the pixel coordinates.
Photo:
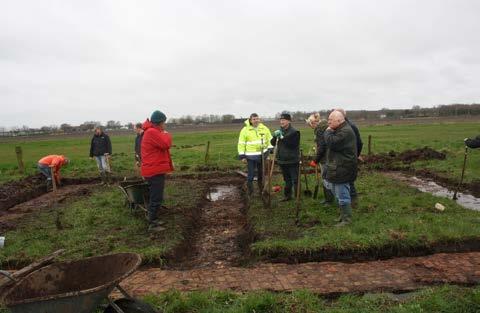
(158, 117)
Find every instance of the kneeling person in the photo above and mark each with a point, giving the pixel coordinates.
(52, 164)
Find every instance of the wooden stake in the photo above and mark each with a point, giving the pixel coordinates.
(207, 153)
(54, 181)
(369, 144)
(21, 166)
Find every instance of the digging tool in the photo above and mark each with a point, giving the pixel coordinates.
(268, 188)
(54, 180)
(463, 173)
(307, 191)
(317, 184)
(299, 188)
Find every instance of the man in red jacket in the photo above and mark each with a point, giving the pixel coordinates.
(156, 162)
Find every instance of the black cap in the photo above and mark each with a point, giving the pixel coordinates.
(286, 116)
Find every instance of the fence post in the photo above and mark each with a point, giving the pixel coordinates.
(207, 153)
(19, 153)
(369, 144)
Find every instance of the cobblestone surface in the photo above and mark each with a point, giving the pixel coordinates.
(327, 278)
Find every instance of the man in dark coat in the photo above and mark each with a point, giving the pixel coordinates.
(138, 143)
(341, 163)
(472, 143)
(358, 139)
(101, 150)
(288, 153)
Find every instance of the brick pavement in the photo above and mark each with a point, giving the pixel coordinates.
(327, 278)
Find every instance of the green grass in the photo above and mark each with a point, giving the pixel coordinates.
(440, 136)
(442, 299)
(101, 224)
(389, 214)
(447, 299)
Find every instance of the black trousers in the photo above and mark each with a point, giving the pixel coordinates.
(290, 176)
(156, 185)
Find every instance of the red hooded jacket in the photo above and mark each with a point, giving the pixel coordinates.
(155, 150)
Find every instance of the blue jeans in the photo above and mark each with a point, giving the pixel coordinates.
(156, 185)
(45, 170)
(353, 190)
(341, 192)
(102, 163)
(252, 165)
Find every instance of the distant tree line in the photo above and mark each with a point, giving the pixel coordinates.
(391, 114)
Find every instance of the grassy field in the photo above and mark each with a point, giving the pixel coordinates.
(445, 299)
(442, 299)
(389, 216)
(102, 224)
(189, 153)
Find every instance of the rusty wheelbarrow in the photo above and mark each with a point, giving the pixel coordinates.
(75, 286)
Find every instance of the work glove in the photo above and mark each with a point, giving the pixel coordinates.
(278, 134)
(313, 164)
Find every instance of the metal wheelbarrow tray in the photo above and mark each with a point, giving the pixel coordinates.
(76, 286)
(137, 194)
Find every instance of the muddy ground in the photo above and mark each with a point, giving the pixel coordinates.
(401, 161)
(19, 191)
(9, 218)
(220, 235)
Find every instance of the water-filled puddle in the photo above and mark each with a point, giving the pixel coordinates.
(465, 200)
(220, 192)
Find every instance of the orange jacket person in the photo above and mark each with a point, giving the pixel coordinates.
(52, 163)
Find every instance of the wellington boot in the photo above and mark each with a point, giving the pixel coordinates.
(250, 188)
(108, 178)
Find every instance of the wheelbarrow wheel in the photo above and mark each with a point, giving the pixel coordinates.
(131, 306)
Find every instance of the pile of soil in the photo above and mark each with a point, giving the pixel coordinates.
(405, 157)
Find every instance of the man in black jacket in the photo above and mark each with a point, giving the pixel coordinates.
(358, 139)
(138, 144)
(288, 153)
(101, 150)
(341, 163)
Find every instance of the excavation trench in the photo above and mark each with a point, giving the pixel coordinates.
(425, 185)
(221, 235)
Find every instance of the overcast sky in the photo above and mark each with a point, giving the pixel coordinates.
(73, 61)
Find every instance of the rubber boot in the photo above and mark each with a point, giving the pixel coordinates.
(287, 194)
(329, 197)
(103, 177)
(346, 210)
(260, 187)
(108, 178)
(49, 185)
(250, 188)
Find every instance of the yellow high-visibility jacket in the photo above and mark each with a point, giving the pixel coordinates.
(250, 140)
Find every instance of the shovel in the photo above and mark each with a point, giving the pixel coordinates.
(307, 191)
(268, 187)
(463, 173)
(299, 188)
(317, 185)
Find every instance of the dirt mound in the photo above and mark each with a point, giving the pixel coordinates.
(406, 157)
